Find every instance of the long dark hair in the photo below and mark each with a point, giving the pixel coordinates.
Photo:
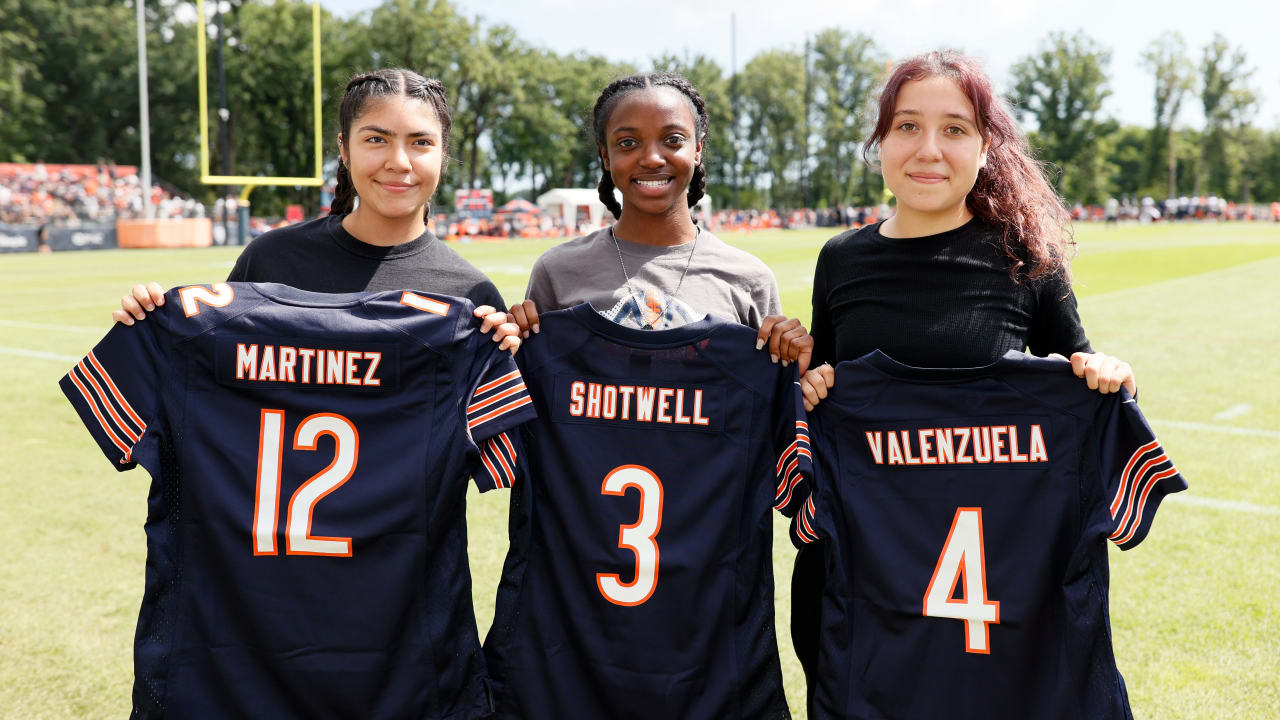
(609, 98)
(387, 82)
(1011, 192)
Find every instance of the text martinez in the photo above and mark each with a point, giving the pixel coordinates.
(288, 364)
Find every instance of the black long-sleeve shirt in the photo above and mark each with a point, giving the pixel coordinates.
(944, 300)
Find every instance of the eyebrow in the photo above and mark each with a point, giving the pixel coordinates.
(958, 116)
(391, 133)
(671, 126)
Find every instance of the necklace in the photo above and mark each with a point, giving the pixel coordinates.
(627, 276)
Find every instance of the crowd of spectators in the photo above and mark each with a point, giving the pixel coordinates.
(1203, 207)
(37, 194)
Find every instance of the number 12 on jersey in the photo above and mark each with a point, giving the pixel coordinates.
(266, 501)
(963, 560)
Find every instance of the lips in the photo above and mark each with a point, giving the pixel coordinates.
(395, 187)
(927, 178)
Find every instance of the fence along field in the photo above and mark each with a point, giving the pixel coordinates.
(1195, 609)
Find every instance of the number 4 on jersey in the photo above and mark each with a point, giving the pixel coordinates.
(963, 560)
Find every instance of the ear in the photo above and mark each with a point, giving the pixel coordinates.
(342, 151)
(604, 159)
(697, 153)
(982, 156)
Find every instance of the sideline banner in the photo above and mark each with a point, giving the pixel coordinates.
(17, 239)
(85, 237)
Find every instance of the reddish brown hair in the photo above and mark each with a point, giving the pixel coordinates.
(1011, 192)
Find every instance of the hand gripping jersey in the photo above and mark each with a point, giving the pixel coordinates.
(309, 454)
(639, 583)
(966, 514)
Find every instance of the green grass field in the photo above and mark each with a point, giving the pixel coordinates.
(1195, 610)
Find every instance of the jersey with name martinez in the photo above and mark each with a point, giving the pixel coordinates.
(309, 455)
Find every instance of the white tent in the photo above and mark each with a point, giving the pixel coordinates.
(566, 201)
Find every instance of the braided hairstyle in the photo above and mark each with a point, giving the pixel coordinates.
(609, 98)
(377, 84)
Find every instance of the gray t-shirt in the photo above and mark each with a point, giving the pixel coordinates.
(722, 280)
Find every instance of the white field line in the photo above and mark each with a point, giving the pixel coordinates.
(1225, 429)
(47, 326)
(38, 354)
(1234, 411)
(1232, 505)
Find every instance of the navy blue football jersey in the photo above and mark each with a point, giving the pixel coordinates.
(309, 455)
(965, 516)
(639, 582)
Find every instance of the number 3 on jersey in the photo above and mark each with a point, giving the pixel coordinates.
(963, 560)
(266, 504)
(638, 537)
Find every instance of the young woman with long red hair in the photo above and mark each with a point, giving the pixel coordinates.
(974, 262)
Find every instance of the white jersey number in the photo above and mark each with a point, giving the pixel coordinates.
(963, 560)
(266, 506)
(638, 537)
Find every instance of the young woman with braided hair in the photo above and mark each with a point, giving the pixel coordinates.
(393, 144)
(973, 263)
(655, 268)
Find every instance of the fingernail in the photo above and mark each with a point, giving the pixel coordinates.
(536, 328)
(773, 357)
(784, 363)
(161, 302)
(140, 316)
(759, 343)
(525, 335)
(149, 307)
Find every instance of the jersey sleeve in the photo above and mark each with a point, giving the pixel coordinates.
(1136, 472)
(115, 389)
(497, 402)
(794, 464)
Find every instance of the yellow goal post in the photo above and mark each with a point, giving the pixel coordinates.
(250, 181)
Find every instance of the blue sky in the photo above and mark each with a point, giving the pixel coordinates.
(998, 31)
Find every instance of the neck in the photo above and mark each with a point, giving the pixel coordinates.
(383, 231)
(908, 223)
(667, 229)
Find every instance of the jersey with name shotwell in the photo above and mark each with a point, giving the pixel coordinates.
(309, 455)
(966, 514)
(639, 582)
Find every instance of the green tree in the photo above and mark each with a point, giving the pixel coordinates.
(846, 68)
(488, 85)
(1228, 104)
(1166, 58)
(1061, 87)
(772, 87)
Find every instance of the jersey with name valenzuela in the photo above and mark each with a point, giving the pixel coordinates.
(639, 583)
(966, 514)
(309, 455)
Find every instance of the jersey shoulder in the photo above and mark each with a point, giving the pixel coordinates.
(1049, 382)
(190, 310)
(441, 322)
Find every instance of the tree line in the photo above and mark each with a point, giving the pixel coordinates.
(786, 129)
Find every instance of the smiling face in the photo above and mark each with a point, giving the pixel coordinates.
(933, 150)
(394, 153)
(650, 149)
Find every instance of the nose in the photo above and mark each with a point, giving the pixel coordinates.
(653, 157)
(397, 159)
(928, 148)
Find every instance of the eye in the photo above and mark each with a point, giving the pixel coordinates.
(955, 130)
(907, 126)
(424, 142)
(375, 139)
(627, 143)
(677, 140)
